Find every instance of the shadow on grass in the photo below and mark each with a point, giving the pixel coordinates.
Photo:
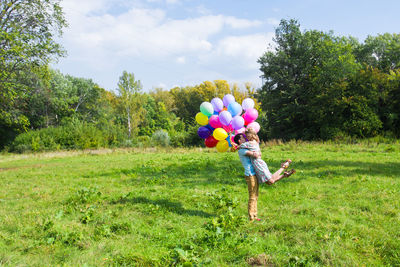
(175, 207)
(229, 171)
(349, 168)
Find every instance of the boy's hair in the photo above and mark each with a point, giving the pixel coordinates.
(252, 135)
(237, 137)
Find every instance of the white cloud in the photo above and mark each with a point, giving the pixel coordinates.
(147, 32)
(181, 60)
(167, 1)
(273, 21)
(202, 10)
(241, 23)
(172, 1)
(242, 51)
(109, 42)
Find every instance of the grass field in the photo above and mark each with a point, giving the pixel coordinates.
(160, 207)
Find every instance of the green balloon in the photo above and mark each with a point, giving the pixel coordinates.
(206, 108)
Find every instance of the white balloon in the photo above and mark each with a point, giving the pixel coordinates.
(247, 103)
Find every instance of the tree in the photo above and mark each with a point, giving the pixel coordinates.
(158, 118)
(187, 102)
(382, 52)
(393, 123)
(27, 44)
(305, 78)
(131, 99)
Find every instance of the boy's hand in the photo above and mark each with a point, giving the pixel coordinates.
(234, 147)
(257, 154)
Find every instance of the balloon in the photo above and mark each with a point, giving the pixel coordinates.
(228, 99)
(237, 122)
(241, 130)
(235, 109)
(203, 132)
(225, 117)
(209, 128)
(220, 134)
(245, 121)
(210, 141)
(201, 119)
(220, 119)
(214, 121)
(230, 140)
(247, 103)
(250, 115)
(206, 108)
(222, 146)
(217, 104)
(254, 125)
(228, 128)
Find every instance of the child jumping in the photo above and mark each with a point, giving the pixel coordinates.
(261, 168)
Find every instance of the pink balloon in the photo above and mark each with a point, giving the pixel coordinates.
(241, 130)
(254, 125)
(250, 115)
(214, 121)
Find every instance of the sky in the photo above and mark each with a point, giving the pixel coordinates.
(169, 43)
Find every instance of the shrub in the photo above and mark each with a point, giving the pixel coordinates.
(143, 141)
(160, 138)
(72, 135)
(178, 139)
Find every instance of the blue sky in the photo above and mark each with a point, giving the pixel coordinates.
(168, 43)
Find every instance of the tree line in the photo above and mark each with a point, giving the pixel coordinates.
(317, 86)
(321, 86)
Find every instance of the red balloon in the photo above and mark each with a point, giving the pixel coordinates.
(246, 122)
(210, 141)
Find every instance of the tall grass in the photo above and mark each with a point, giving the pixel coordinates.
(183, 207)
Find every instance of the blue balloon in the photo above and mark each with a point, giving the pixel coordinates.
(229, 140)
(235, 109)
(208, 126)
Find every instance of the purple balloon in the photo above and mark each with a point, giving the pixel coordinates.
(237, 122)
(228, 99)
(225, 117)
(203, 132)
(217, 104)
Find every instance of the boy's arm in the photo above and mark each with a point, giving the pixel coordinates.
(253, 154)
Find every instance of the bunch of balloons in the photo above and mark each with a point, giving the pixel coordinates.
(221, 120)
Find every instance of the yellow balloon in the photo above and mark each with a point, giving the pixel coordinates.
(201, 119)
(222, 146)
(220, 134)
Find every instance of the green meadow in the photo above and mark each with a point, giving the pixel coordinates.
(188, 207)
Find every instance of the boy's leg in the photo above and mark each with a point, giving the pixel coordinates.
(252, 185)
